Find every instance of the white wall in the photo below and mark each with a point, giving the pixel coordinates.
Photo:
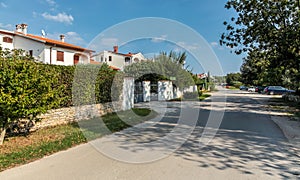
(28, 44)
(68, 56)
(138, 56)
(191, 89)
(165, 90)
(118, 60)
(5, 45)
(128, 93)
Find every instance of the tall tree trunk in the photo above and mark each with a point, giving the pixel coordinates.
(2, 135)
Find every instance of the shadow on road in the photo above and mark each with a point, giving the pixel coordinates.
(247, 140)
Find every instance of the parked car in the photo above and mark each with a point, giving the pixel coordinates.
(279, 90)
(251, 89)
(260, 89)
(243, 88)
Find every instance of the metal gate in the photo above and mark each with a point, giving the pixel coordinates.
(153, 92)
(138, 92)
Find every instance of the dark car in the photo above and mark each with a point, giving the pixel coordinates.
(243, 88)
(279, 90)
(260, 89)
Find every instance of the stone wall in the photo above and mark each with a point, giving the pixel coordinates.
(165, 90)
(61, 116)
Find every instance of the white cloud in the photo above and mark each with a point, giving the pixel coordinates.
(60, 17)
(6, 26)
(51, 2)
(159, 39)
(187, 46)
(214, 44)
(104, 44)
(71, 37)
(3, 5)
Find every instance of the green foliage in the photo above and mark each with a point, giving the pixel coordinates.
(96, 84)
(164, 67)
(25, 89)
(268, 31)
(233, 78)
(29, 88)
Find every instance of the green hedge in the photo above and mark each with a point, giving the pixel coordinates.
(29, 88)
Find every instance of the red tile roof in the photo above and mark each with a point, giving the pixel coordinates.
(128, 54)
(114, 68)
(57, 42)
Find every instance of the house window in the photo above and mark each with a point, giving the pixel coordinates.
(127, 60)
(109, 58)
(60, 56)
(7, 39)
(101, 58)
(30, 53)
(76, 59)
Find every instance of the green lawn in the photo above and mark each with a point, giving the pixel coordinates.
(291, 108)
(233, 88)
(21, 150)
(200, 98)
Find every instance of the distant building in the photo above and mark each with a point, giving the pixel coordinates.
(202, 76)
(118, 60)
(43, 49)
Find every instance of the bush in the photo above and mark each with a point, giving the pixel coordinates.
(25, 89)
(93, 84)
(28, 88)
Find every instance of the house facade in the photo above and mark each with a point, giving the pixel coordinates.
(116, 59)
(43, 49)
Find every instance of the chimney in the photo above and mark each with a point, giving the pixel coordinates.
(22, 28)
(18, 28)
(62, 38)
(116, 49)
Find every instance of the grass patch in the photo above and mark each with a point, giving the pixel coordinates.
(291, 108)
(204, 96)
(232, 88)
(21, 150)
(200, 98)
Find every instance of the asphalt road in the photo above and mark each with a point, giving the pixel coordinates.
(181, 144)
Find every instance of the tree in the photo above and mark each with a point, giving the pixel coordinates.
(254, 70)
(271, 28)
(25, 91)
(164, 67)
(233, 78)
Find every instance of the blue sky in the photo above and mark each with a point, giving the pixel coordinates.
(82, 20)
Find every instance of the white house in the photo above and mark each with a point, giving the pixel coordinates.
(116, 59)
(43, 49)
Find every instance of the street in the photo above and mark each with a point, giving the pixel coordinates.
(248, 145)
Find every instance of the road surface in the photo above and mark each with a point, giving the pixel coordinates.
(248, 145)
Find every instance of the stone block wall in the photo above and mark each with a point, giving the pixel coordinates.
(67, 115)
(61, 116)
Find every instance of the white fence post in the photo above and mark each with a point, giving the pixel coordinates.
(146, 91)
(165, 90)
(128, 93)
